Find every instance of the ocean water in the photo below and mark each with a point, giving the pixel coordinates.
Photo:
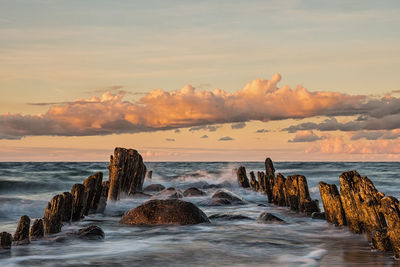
(25, 188)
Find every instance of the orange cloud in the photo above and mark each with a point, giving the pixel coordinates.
(259, 100)
(337, 145)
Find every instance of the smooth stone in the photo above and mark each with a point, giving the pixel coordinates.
(154, 188)
(92, 232)
(267, 217)
(193, 192)
(165, 212)
(228, 217)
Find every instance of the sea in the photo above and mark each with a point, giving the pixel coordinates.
(26, 187)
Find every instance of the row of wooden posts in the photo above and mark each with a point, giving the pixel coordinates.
(359, 205)
(126, 176)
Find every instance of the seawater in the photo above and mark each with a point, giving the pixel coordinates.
(25, 188)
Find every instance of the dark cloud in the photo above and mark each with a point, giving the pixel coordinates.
(239, 125)
(375, 135)
(204, 136)
(262, 131)
(226, 138)
(210, 128)
(170, 139)
(177, 131)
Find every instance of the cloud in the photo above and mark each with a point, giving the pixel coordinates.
(306, 136)
(388, 122)
(177, 131)
(239, 125)
(170, 139)
(211, 128)
(226, 138)
(262, 131)
(375, 135)
(204, 136)
(337, 145)
(260, 100)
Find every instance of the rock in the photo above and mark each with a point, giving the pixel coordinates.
(212, 186)
(279, 191)
(103, 197)
(228, 217)
(80, 200)
(93, 187)
(267, 217)
(91, 232)
(311, 206)
(37, 230)
(149, 174)
(154, 188)
(269, 179)
(242, 177)
(164, 212)
(253, 182)
(68, 203)
(318, 215)
(52, 219)
(391, 212)
(193, 192)
(139, 195)
(21, 236)
(5, 240)
(169, 193)
(334, 212)
(215, 202)
(226, 195)
(269, 168)
(126, 173)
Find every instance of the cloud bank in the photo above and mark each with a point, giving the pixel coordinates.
(260, 100)
(306, 136)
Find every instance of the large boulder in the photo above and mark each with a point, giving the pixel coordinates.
(165, 212)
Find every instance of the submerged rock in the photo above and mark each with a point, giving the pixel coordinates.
(5, 240)
(228, 217)
(267, 217)
(193, 192)
(21, 236)
(164, 212)
(92, 232)
(170, 192)
(228, 195)
(126, 173)
(154, 187)
(139, 195)
(318, 215)
(37, 230)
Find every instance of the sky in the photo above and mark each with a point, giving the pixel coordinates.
(295, 80)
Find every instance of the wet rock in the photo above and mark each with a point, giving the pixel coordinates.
(212, 186)
(267, 217)
(139, 195)
(228, 217)
(242, 177)
(391, 212)
(334, 212)
(215, 202)
(80, 200)
(93, 187)
(37, 230)
(297, 195)
(253, 182)
(164, 212)
(279, 191)
(92, 232)
(126, 173)
(68, 203)
(169, 193)
(21, 236)
(103, 197)
(154, 188)
(52, 219)
(318, 215)
(5, 240)
(149, 174)
(193, 192)
(311, 206)
(223, 195)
